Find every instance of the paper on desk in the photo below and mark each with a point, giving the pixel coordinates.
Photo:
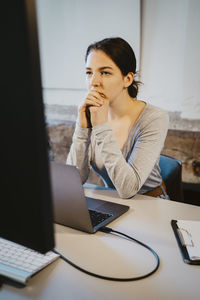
(190, 231)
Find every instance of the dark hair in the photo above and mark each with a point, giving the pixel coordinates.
(122, 55)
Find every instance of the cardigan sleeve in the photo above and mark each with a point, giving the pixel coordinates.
(129, 175)
(79, 151)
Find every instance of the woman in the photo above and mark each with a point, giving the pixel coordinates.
(119, 136)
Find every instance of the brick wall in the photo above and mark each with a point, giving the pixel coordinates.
(184, 145)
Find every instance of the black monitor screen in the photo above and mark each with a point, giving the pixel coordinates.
(26, 214)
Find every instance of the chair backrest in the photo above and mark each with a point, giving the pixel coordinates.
(171, 172)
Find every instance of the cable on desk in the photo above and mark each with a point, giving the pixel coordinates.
(110, 230)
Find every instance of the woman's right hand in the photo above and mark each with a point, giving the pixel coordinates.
(93, 98)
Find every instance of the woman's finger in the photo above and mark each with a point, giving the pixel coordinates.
(87, 103)
(94, 100)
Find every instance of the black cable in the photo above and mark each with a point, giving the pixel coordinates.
(110, 230)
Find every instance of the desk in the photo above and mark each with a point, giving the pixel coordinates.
(147, 220)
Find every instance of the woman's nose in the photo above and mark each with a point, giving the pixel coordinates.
(95, 80)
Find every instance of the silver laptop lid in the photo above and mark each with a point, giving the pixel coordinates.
(70, 206)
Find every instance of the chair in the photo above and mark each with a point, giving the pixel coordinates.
(171, 172)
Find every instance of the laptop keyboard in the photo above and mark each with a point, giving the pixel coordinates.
(98, 217)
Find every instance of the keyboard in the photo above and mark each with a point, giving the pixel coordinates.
(20, 263)
(98, 217)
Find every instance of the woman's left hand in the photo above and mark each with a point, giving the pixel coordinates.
(99, 115)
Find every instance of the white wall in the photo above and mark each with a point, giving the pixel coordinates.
(66, 28)
(170, 55)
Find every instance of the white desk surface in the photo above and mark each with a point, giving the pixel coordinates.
(147, 220)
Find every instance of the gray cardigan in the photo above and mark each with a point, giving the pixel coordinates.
(132, 169)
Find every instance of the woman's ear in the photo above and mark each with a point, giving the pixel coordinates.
(128, 79)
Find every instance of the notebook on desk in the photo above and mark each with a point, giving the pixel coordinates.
(187, 234)
(72, 208)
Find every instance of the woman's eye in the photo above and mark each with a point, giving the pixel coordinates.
(88, 73)
(105, 73)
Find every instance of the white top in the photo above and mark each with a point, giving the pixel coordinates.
(129, 170)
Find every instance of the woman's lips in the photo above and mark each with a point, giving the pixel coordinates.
(98, 91)
(102, 95)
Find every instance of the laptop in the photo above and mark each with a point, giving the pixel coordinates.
(72, 208)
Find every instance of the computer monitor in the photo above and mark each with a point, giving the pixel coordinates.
(26, 212)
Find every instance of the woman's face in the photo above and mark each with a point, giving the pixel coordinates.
(103, 75)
